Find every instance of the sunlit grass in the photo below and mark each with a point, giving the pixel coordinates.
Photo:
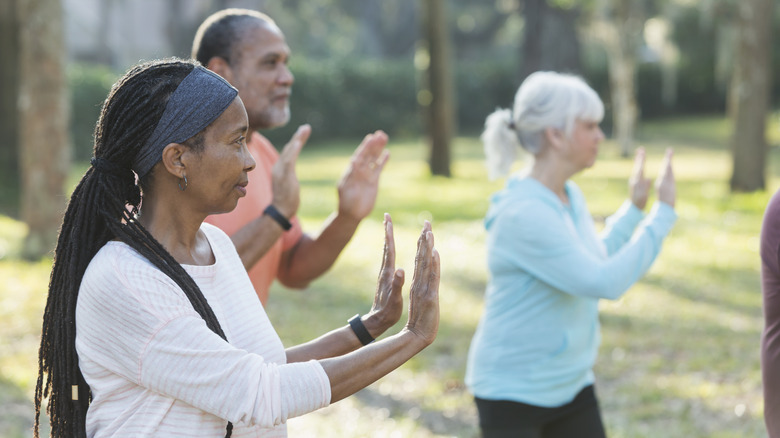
(22, 299)
(679, 356)
(680, 350)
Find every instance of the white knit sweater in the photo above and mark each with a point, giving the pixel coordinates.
(155, 369)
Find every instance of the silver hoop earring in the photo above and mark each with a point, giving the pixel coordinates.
(185, 183)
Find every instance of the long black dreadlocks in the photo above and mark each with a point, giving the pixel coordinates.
(98, 212)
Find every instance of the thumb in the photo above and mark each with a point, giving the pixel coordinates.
(398, 280)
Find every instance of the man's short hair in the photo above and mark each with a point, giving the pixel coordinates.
(221, 31)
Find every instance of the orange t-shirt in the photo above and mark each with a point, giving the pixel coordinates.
(258, 195)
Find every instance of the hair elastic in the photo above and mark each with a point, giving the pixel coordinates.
(107, 167)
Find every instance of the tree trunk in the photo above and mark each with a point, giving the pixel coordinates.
(104, 54)
(619, 27)
(9, 96)
(749, 95)
(43, 120)
(550, 39)
(440, 111)
(622, 71)
(531, 49)
(371, 27)
(179, 30)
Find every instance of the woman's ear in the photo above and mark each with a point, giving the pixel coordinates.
(554, 137)
(172, 159)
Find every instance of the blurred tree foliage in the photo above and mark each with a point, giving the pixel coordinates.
(353, 62)
(89, 85)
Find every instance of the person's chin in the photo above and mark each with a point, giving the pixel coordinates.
(226, 208)
(276, 122)
(282, 114)
(594, 159)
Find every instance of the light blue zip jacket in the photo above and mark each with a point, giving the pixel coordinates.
(537, 340)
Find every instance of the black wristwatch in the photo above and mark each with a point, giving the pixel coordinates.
(278, 217)
(360, 330)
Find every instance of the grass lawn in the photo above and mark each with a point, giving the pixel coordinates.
(679, 356)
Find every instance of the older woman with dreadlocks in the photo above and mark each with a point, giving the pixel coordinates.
(152, 327)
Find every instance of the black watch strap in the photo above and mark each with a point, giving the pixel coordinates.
(360, 330)
(278, 217)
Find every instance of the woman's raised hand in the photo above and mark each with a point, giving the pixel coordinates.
(665, 184)
(352, 372)
(638, 185)
(424, 294)
(388, 300)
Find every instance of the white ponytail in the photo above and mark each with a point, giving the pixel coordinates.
(544, 100)
(500, 143)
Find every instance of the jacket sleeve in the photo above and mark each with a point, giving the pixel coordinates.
(620, 226)
(536, 238)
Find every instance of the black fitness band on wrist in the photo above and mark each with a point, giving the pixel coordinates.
(360, 330)
(278, 217)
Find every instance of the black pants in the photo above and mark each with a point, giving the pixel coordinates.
(579, 419)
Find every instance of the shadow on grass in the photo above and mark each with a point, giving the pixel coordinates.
(467, 282)
(685, 377)
(434, 421)
(717, 291)
(644, 412)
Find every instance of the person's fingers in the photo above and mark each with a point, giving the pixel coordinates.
(435, 275)
(389, 255)
(422, 239)
(639, 163)
(371, 151)
(668, 159)
(382, 160)
(293, 148)
(421, 292)
(422, 259)
(380, 140)
(374, 144)
(364, 150)
(428, 253)
(360, 151)
(378, 154)
(666, 173)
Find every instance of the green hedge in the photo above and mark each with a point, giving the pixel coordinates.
(348, 98)
(482, 87)
(344, 98)
(89, 86)
(351, 97)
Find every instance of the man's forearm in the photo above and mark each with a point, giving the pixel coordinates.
(254, 239)
(311, 258)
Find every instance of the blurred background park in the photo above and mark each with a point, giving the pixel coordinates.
(680, 351)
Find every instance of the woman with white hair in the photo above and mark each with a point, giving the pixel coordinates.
(530, 362)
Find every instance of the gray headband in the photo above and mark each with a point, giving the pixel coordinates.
(198, 100)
